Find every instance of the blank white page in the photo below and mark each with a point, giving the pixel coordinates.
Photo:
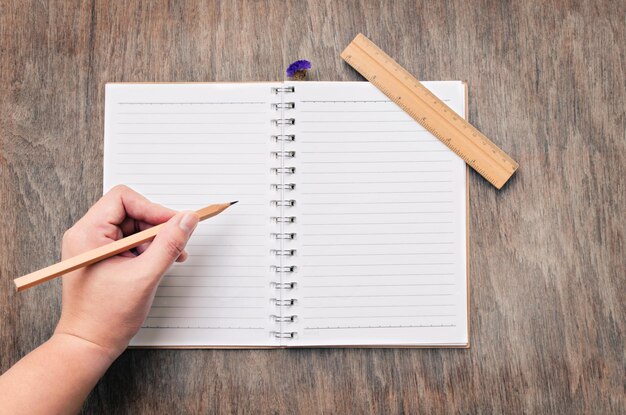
(381, 221)
(186, 146)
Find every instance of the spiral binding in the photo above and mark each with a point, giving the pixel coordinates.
(284, 137)
(284, 89)
(285, 303)
(283, 219)
(288, 203)
(275, 235)
(284, 285)
(284, 121)
(286, 269)
(283, 237)
(283, 252)
(283, 154)
(283, 186)
(283, 106)
(283, 170)
(284, 319)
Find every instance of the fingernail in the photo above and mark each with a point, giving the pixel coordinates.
(189, 222)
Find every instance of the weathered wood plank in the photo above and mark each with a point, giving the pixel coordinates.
(547, 254)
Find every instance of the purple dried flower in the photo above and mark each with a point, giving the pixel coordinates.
(297, 70)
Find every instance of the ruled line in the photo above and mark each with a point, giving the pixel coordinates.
(234, 245)
(186, 163)
(238, 307)
(236, 153)
(372, 213)
(382, 244)
(382, 327)
(192, 103)
(228, 234)
(382, 274)
(250, 215)
(373, 223)
(208, 317)
(378, 254)
(413, 140)
(378, 296)
(233, 224)
(392, 316)
(204, 296)
(357, 131)
(191, 123)
(213, 276)
(374, 162)
(199, 184)
(184, 174)
(383, 182)
(228, 255)
(375, 152)
(192, 113)
(378, 172)
(155, 133)
(355, 121)
(377, 233)
(200, 233)
(376, 203)
(202, 327)
(373, 285)
(210, 276)
(376, 192)
(249, 143)
(353, 111)
(212, 286)
(195, 194)
(346, 101)
(384, 306)
(355, 102)
(217, 266)
(196, 205)
(374, 265)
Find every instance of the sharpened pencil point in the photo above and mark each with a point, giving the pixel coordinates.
(232, 203)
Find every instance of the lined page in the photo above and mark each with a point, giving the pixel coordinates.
(381, 221)
(186, 146)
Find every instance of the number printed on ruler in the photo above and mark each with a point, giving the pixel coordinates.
(433, 114)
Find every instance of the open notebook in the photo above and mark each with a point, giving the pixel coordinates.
(350, 228)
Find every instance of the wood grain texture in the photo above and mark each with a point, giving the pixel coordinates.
(546, 83)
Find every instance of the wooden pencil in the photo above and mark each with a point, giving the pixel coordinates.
(104, 252)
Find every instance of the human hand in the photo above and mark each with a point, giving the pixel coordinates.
(106, 303)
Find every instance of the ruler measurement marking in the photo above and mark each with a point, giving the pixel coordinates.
(422, 105)
(421, 90)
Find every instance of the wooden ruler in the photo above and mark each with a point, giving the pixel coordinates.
(428, 110)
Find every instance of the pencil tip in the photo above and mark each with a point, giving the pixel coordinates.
(232, 203)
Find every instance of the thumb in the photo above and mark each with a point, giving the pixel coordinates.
(169, 243)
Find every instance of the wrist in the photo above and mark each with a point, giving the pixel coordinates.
(101, 355)
(93, 336)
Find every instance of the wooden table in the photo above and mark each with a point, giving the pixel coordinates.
(547, 257)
